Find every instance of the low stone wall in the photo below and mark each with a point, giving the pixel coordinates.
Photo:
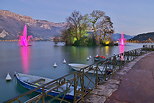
(102, 92)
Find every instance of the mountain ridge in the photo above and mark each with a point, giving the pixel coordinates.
(28, 18)
(11, 26)
(144, 37)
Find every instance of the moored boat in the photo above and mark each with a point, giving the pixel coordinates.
(78, 67)
(99, 58)
(75, 65)
(32, 82)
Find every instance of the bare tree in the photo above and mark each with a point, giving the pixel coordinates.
(106, 28)
(94, 18)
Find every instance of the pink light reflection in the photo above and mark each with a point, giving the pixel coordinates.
(121, 50)
(25, 57)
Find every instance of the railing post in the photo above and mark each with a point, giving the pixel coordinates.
(43, 95)
(96, 80)
(75, 87)
(82, 86)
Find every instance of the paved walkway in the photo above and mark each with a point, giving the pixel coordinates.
(137, 86)
(132, 84)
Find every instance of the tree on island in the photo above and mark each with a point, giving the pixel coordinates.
(94, 19)
(106, 30)
(78, 27)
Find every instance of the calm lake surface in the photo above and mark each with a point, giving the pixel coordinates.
(39, 58)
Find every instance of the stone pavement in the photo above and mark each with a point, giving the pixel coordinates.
(132, 84)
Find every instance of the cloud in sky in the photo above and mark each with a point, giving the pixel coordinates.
(129, 16)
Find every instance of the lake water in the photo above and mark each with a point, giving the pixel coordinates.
(39, 58)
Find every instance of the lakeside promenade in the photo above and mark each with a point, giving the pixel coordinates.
(134, 83)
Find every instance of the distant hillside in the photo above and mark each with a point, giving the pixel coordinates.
(145, 37)
(11, 25)
(117, 36)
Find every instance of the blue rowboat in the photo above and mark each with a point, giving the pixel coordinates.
(32, 82)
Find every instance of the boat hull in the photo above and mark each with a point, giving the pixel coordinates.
(99, 58)
(30, 87)
(78, 67)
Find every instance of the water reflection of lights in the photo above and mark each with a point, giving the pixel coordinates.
(121, 50)
(25, 56)
(107, 50)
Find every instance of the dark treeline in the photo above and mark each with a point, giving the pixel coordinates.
(88, 30)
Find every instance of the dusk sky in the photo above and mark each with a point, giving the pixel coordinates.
(129, 16)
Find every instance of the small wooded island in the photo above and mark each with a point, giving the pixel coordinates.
(88, 30)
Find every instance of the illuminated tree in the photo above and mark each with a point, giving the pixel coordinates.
(76, 27)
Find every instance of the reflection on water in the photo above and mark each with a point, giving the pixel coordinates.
(25, 57)
(121, 50)
(107, 50)
(80, 54)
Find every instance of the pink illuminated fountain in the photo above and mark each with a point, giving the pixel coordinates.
(122, 40)
(25, 50)
(24, 39)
